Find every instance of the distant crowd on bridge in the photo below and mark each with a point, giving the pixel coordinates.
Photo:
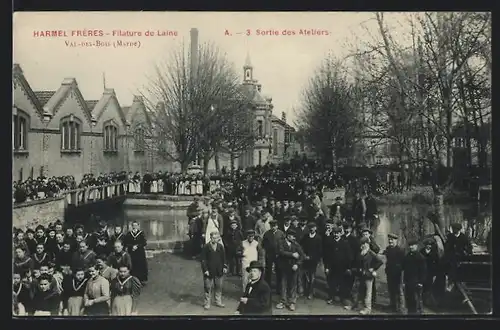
(380, 181)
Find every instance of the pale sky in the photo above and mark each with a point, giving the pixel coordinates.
(282, 64)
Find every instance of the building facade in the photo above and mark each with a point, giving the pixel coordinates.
(58, 132)
(274, 135)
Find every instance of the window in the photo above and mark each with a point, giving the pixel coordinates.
(459, 142)
(21, 174)
(275, 141)
(260, 129)
(139, 140)
(110, 138)
(20, 126)
(71, 131)
(260, 158)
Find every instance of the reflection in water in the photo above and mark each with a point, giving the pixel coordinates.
(171, 225)
(401, 219)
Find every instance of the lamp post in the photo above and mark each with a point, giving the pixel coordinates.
(92, 127)
(127, 151)
(47, 116)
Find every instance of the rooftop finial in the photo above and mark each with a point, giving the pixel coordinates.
(248, 63)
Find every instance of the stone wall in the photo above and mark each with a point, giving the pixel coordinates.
(42, 212)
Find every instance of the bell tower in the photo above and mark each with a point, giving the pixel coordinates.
(247, 70)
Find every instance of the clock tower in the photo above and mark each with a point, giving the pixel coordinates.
(248, 71)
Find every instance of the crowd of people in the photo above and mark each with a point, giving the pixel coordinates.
(66, 270)
(267, 224)
(285, 232)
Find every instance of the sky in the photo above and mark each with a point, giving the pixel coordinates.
(282, 63)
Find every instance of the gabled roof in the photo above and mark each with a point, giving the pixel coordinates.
(125, 111)
(18, 76)
(91, 104)
(139, 103)
(100, 105)
(44, 96)
(60, 95)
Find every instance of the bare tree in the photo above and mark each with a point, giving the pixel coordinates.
(191, 102)
(412, 89)
(328, 117)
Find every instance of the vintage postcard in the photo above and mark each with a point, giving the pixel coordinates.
(251, 163)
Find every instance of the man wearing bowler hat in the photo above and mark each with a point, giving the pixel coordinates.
(290, 258)
(256, 299)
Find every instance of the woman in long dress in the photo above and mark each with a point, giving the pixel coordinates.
(135, 242)
(125, 289)
(73, 291)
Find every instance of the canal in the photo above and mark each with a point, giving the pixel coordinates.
(164, 226)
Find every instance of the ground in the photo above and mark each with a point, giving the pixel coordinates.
(175, 288)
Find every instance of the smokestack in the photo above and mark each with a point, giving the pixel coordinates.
(194, 48)
(283, 116)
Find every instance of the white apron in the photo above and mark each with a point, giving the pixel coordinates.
(154, 187)
(199, 187)
(160, 186)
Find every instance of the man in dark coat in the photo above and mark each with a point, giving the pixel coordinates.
(270, 242)
(414, 274)
(337, 259)
(257, 297)
(394, 268)
(338, 210)
(214, 266)
(248, 220)
(430, 253)
(290, 258)
(457, 246)
(312, 245)
(371, 214)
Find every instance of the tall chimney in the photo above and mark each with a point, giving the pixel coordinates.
(283, 116)
(194, 49)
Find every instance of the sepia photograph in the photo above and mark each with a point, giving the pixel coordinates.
(251, 164)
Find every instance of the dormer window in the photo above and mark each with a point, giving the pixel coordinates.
(71, 131)
(139, 139)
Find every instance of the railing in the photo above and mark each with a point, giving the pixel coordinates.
(81, 196)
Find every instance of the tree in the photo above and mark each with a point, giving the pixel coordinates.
(191, 97)
(328, 117)
(416, 88)
(239, 134)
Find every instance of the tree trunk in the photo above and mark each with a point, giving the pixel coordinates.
(231, 155)
(206, 162)
(217, 162)
(184, 166)
(439, 209)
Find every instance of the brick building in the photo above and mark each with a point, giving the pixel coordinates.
(58, 132)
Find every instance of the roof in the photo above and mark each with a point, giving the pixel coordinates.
(282, 122)
(250, 91)
(44, 96)
(125, 110)
(91, 104)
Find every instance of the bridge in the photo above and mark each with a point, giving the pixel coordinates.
(89, 195)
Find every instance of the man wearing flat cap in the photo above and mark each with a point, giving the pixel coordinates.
(367, 232)
(256, 299)
(250, 250)
(337, 260)
(290, 258)
(270, 242)
(312, 244)
(414, 275)
(394, 255)
(248, 220)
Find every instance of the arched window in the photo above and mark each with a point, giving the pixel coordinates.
(20, 127)
(110, 137)
(139, 139)
(71, 132)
